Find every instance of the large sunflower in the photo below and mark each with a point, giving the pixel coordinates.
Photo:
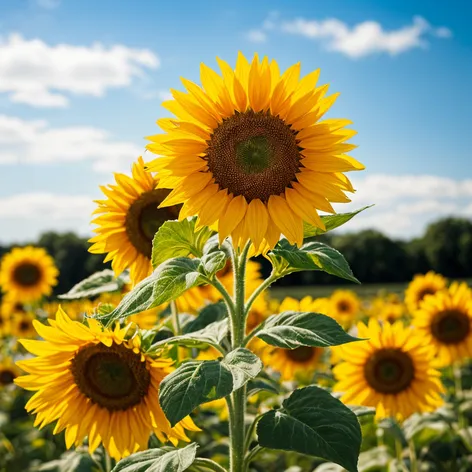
(28, 273)
(391, 371)
(420, 286)
(128, 220)
(247, 152)
(97, 384)
(445, 320)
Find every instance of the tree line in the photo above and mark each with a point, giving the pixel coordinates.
(445, 247)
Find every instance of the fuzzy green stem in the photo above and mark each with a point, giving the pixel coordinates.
(250, 433)
(251, 456)
(458, 392)
(413, 458)
(263, 286)
(175, 318)
(208, 464)
(226, 296)
(238, 329)
(108, 464)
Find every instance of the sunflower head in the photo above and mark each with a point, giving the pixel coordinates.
(8, 372)
(128, 219)
(27, 274)
(422, 286)
(249, 154)
(95, 382)
(22, 325)
(445, 319)
(344, 306)
(392, 371)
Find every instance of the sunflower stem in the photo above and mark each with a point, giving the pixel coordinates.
(263, 286)
(175, 318)
(251, 456)
(458, 392)
(413, 458)
(208, 464)
(238, 330)
(108, 464)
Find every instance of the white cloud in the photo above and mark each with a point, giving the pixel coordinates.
(362, 39)
(256, 36)
(36, 142)
(41, 75)
(23, 216)
(406, 204)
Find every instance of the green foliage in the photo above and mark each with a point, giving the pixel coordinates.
(311, 421)
(209, 314)
(331, 222)
(312, 255)
(159, 460)
(178, 239)
(198, 382)
(211, 335)
(293, 329)
(100, 282)
(170, 280)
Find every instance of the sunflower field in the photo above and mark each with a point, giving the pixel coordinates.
(183, 357)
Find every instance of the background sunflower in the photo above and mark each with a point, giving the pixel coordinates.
(445, 321)
(27, 274)
(391, 371)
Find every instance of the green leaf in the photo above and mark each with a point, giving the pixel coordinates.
(260, 384)
(313, 422)
(178, 239)
(243, 364)
(213, 262)
(159, 460)
(331, 222)
(211, 335)
(208, 315)
(293, 329)
(198, 382)
(100, 282)
(170, 280)
(313, 255)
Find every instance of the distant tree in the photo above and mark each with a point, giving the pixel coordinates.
(373, 257)
(72, 258)
(447, 245)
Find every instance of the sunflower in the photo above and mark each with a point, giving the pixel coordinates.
(391, 371)
(391, 312)
(8, 372)
(306, 304)
(96, 383)
(445, 320)
(290, 363)
(128, 220)
(247, 152)
(420, 286)
(75, 309)
(27, 273)
(5, 326)
(22, 325)
(344, 306)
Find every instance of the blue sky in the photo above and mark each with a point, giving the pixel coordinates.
(73, 111)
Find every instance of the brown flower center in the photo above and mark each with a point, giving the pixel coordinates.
(27, 274)
(253, 154)
(144, 219)
(344, 307)
(389, 371)
(302, 354)
(450, 326)
(7, 377)
(24, 326)
(424, 292)
(113, 377)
